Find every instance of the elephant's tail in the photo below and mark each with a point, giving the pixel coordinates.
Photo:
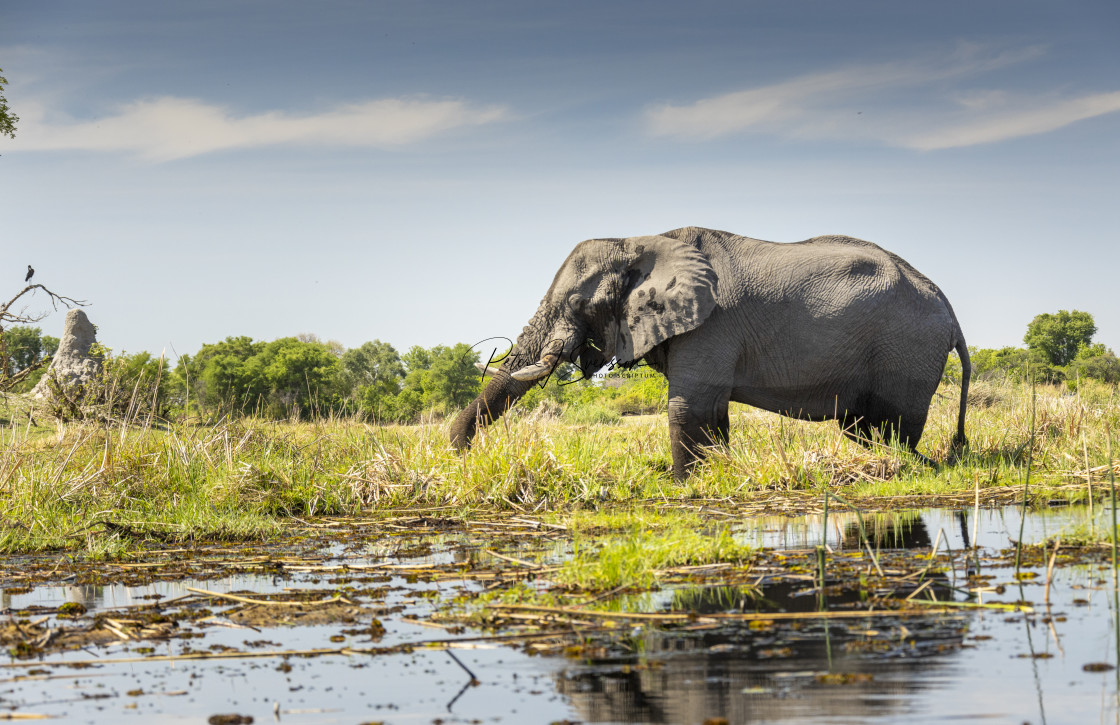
(966, 373)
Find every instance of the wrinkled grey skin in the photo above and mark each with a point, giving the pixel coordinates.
(829, 328)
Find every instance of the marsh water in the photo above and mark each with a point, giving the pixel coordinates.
(1051, 664)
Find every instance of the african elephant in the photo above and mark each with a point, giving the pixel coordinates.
(831, 328)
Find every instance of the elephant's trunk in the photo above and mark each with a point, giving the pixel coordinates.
(500, 393)
(539, 349)
(502, 390)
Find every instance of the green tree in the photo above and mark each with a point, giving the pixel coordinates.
(300, 376)
(1007, 360)
(373, 363)
(220, 377)
(8, 120)
(1060, 336)
(439, 379)
(1095, 362)
(644, 391)
(371, 377)
(49, 345)
(417, 358)
(277, 378)
(25, 347)
(454, 380)
(404, 407)
(141, 383)
(1014, 362)
(28, 350)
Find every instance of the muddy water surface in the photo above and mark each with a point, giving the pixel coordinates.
(362, 622)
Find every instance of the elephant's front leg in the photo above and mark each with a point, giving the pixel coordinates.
(698, 419)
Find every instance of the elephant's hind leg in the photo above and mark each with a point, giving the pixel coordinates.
(859, 429)
(855, 429)
(869, 431)
(908, 428)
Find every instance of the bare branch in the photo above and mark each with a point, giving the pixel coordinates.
(56, 299)
(8, 318)
(7, 382)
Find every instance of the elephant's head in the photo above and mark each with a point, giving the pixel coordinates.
(612, 298)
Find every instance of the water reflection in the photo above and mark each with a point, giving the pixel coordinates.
(1049, 666)
(768, 670)
(904, 530)
(975, 665)
(958, 529)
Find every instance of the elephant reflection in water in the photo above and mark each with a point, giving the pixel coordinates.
(901, 530)
(832, 328)
(889, 531)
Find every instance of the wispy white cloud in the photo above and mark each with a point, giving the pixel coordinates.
(909, 104)
(1026, 117)
(168, 128)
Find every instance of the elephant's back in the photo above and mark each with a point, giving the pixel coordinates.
(841, 273)
(827, 276)
(844, 302)
(843, 247)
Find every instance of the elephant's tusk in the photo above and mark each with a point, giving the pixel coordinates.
(486, 369)
(543, 367)
(536, 371)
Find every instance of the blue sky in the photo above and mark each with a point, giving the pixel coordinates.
(416, 172)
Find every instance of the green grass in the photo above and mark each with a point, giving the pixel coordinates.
(634, 560)
(620, 519)
(591, 414)
(245, 478)
(1083, 535)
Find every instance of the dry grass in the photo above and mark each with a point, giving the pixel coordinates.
(59, 485)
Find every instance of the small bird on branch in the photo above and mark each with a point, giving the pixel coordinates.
(30, 274)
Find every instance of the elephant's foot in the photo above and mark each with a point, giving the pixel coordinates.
(687, 453)
(926, 461)
(692, 434)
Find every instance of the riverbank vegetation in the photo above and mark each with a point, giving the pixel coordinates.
(244, 435)
(103, 485)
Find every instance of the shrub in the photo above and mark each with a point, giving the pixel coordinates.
(590, 414)
(127, 386)
(1095, 362)
(644, 393)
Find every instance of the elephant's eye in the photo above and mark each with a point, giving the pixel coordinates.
(576, 303)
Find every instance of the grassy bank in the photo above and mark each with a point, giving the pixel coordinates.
(102, 487)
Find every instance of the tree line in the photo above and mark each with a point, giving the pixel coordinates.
(290, 377)
(1059, 348)
(305, 377)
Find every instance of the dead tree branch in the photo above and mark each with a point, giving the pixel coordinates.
(8, 317)
(22, 317)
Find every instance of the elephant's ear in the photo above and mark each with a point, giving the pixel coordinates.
(670, 290)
